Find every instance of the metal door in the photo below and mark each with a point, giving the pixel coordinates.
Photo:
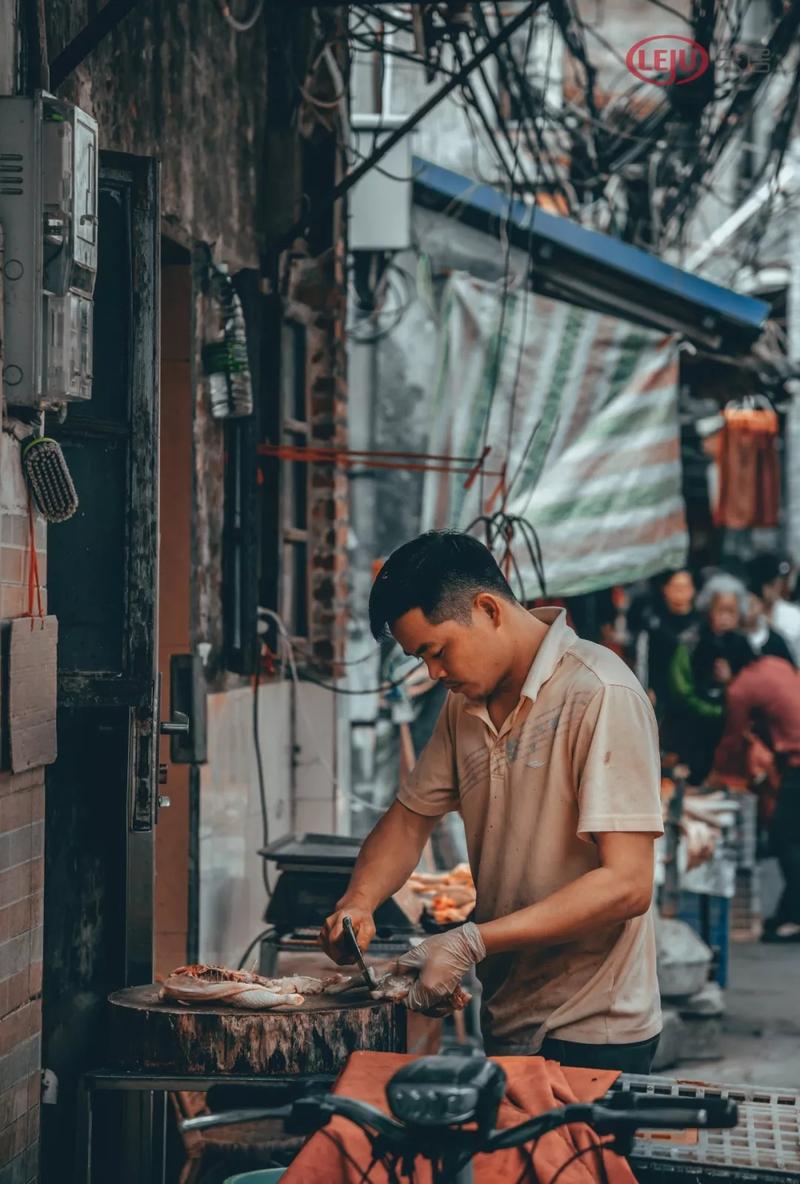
(102, 582)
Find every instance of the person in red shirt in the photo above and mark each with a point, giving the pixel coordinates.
(763, 702)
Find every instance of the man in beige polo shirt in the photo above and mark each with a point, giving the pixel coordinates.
(547, 746)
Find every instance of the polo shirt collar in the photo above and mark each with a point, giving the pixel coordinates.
(558, 639)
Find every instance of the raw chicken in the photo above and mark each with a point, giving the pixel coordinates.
(182, 988)
(395, 987)
(240, 988)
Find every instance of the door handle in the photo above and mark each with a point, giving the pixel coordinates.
(177, 726)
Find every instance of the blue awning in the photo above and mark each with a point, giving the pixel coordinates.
(594, 270)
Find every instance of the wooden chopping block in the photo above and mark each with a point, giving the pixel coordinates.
(147, 1034)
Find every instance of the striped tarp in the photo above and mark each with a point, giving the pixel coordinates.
(582, 409)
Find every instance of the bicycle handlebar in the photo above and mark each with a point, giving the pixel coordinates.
(619, 1115)
(609, 1118)
(615, 1114)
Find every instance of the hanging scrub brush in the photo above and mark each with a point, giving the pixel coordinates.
(49, 479)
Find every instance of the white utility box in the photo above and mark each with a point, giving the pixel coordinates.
(48, 211)
(380, 203)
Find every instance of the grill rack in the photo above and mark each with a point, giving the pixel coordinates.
(763, 1147)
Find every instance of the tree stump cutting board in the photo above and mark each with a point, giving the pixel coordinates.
(318, 1037)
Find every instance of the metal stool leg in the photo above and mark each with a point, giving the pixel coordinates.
(159, 1169)
(268, 959)
(138, 1142)
(83, 1157)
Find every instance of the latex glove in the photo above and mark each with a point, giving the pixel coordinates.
(441, 962)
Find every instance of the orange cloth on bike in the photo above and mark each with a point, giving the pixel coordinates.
(534, 1085)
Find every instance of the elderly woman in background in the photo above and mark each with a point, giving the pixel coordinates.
(699, 672)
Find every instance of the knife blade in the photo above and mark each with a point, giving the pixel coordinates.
(369, 974)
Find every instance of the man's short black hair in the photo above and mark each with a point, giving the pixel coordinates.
(439, 572)
(766, 568)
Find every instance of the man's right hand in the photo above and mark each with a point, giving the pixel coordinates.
(331, 936)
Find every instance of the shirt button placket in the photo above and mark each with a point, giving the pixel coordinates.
(496, 759)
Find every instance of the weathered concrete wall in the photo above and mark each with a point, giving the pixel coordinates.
(232, 893)
(173, 80)
(8, 47)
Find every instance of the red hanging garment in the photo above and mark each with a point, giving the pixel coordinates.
(750, 481)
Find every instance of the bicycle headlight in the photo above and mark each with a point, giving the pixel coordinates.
(447, 1091)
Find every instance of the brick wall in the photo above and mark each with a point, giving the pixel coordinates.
(21, 880)
(21, 870)
(328, 516)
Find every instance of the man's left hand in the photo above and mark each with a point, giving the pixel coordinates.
(441, 962)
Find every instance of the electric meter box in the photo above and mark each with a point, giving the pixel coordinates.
(48, 211)
(380, 203)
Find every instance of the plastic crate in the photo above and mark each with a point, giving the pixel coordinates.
(746, 830)
(746, 904)
(710, 916)
(762, 1148)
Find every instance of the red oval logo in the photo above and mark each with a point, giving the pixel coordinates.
(667, 59)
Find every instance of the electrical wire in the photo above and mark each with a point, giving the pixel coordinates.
(363, 1172)
(523, 96)
(262, 786)
(779, 145)
(249, 22)
(513, 145)
(264, 933)
(681, 16)
(523, 458)
(466, 107)
(468, 89)
(309, 656)
(383, 171)
(287, 642)
(548, 445)
(521, 84)
(406, 300)
(568, 1162)
(386, 14)
(524, 310)
(504, 303)
(615, 147)
(390, 685)
(505, 57)
(570, 23)
(744, 101)
(501, 524)
(405, 55)
(496, 361)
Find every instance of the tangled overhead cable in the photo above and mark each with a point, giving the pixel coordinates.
(500, 529)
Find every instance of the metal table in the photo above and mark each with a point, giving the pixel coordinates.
(145, 1120)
